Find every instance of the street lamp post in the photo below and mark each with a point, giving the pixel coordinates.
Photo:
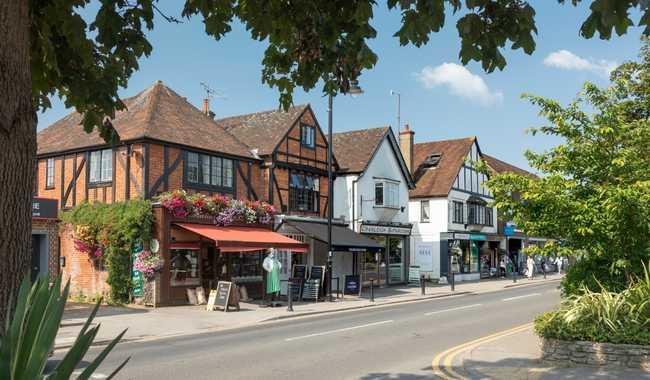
(353, 90)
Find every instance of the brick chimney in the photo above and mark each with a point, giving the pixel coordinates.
(406, 146)
(206, 106)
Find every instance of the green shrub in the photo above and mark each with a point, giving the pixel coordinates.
(31, 332)
(603, 316)
(116, 227)
(592, 272)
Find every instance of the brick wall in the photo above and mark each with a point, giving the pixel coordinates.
(85, 278)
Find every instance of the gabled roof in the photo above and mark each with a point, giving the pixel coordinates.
(262, 130)
(157, 113)
(437, 181)
(499, 166)
(354, 150)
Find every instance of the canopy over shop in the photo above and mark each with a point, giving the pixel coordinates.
(347, 245)
(199, 253)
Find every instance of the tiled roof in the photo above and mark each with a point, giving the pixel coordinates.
(437, 181)
(354, 149)
(504, 167)
(262, 130)
(157, 113)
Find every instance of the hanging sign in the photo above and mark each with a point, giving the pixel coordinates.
(137, 278)
(43, 208)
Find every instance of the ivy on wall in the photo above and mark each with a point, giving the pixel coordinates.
(114, 228)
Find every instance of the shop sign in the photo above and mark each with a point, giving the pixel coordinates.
(352, 285)
(477, 237)
(424, 256)
(446, 236)
(509, 229)
(44, 208)
(137, 278)
(384, 230)
(461, 236)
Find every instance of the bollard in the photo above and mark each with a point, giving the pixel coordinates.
(372, 290)
(544, 270)
(453, 281)
(289, 297)
(422, 285)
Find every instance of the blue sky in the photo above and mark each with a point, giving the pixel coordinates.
(440, 99)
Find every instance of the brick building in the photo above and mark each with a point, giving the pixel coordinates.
(166, 144)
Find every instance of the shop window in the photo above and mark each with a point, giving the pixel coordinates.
(307, 136)
(489, 216)
(246, 265)
(387, 194)
(211, 172)
(49, 173)
(458, 213)
(424, 212)
(304, 192)
(184, 264)
(101, 166)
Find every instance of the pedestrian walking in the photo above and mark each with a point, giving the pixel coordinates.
(558, 264)
(530, 264)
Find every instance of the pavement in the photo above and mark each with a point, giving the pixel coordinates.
(392, 341)
(515, 354)
(145, 323)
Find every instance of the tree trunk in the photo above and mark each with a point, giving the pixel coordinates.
(17, 150)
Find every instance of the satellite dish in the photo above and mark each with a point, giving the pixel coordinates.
(154, 245)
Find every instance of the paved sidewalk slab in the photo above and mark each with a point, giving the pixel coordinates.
(147, 323)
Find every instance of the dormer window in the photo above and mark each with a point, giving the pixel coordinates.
(432, 160)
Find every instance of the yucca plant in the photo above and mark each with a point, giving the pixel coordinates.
(31, 331)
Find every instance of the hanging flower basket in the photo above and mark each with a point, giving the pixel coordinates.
(148, 263)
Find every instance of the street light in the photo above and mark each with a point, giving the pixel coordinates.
(399, 100)
(354, 90)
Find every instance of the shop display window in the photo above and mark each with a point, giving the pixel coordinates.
(247, 264)
(184, 264)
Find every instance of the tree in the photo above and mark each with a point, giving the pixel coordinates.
(594, 192)
(48, 48)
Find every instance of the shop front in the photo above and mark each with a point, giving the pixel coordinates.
(198, 253)
(476, 255)
(391, 265)
(349, 249)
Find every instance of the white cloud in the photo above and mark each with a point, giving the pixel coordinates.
(564, 59)
(460, 82)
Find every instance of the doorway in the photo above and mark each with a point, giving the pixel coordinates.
(39, 262)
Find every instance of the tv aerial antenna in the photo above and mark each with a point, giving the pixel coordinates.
(211, 93)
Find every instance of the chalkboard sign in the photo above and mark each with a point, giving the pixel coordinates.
(310, 290)
(222, 296)
(299, 271)
(317, 273)
(414, 275)
(352, 285)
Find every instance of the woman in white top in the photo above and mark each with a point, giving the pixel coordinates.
(530, 263)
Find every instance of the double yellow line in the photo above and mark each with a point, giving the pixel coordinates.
(442, 364)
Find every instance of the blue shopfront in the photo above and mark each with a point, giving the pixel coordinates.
(471, 256)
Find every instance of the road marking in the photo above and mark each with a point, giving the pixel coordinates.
(445, 369)
(524, 296)
(338, 330)
(454, 309)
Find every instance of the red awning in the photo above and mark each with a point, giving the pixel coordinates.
(244, 239)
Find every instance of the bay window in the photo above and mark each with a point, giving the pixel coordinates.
(387, 194)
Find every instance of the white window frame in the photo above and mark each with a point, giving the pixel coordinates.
(49, 173)
(390, 194)
(100, 167)
(425, 205)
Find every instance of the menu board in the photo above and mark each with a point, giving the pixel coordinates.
(220, 297)
(352, 285)
(300, 271)
(317, 273)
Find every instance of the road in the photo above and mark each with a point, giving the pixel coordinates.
(392, 342)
